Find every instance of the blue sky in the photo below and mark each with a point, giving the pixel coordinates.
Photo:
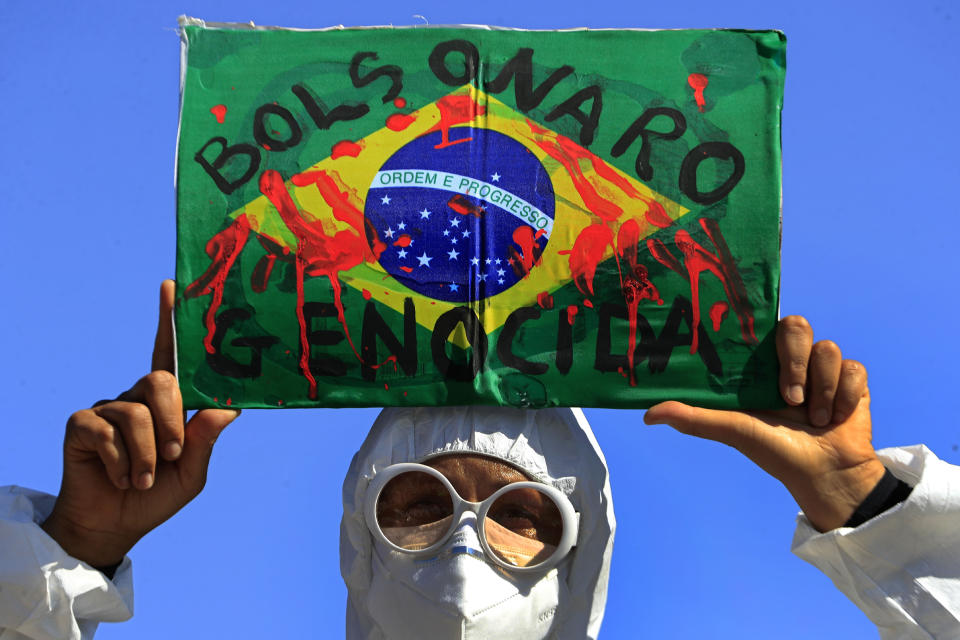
(90, 118)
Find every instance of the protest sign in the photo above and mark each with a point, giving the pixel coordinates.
(388, 216)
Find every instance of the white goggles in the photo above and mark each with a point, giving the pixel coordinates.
(523, 526)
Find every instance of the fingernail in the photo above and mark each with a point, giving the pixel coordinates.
(795, 393)
(146, 480)
(172, 450)
(125, 482)
(821, 417)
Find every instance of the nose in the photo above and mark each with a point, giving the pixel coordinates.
(466, 537)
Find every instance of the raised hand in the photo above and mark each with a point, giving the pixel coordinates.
(131, 463)
(819, 448)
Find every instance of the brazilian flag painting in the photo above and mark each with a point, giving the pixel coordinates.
(452, 215)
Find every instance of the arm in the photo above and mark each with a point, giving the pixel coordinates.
(44, 592)
(129, 465)
(901, 567)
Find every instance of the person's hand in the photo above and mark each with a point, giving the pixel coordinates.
(131, 463)
(820, 447)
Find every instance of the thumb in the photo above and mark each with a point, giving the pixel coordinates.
(200, 434)
(728, 427)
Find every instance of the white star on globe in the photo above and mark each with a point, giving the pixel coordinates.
(498, 261)
(487, 261)
(453, 253)
(385, 200)
(454, 286)
(388, 233)
(475, 261)
(402, 226)
(402, 253)
(500, 272)
(466, 233)
(495, 177)
(454, 223)
(424, 215)
(482, 277)
(424, 260)
(446, 232)
(453, 239)
(500, 280)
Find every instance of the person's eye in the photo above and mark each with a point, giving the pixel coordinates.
(518, 519)
(425, 512)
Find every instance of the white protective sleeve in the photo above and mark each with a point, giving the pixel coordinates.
(46, 594)
(901, 568)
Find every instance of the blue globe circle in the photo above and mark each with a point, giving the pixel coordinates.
(460, 217)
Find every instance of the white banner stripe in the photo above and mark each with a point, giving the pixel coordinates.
(490, 193)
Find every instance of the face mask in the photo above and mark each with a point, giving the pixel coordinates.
(459, 594)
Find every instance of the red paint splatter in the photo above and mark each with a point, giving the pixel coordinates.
(627, 239)
(646, 288)
(223, 249)
(588, 303)
(697, 260)
(399, 102)
(529, 254)
(718, 313)
(455, 110)
(586, 254)
(346, 148)
(572, 312)
(659, 251)
(219, 112)
(404, 394)
(545, 300)
(598, 194)
(657, 216)
(464, 207)
(636, 287)
(406, 269)
(569, 154)
(264, 266)
(266, 146)
(637, 280)
(229, 401)
(386, 387)
(402, 241)
(698, 82)
(319, 254)
(366, 294)
(400, 121)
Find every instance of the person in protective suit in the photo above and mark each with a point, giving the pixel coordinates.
(491, 522)
(502, 570)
